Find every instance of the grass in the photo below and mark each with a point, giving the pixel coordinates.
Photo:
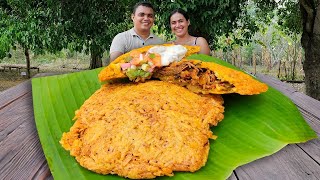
(63, 62)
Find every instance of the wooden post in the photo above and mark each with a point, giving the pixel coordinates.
(285, 70)
(26, 53)
(240, 58)
(254, 63)
(294, 61)
(279, 70)
(269, 61)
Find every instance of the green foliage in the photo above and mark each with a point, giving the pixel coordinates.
(290, 20)
(248, 52)
(4, 46)
(5, 40)
(209, 18)
(265, 8)
(90, 25)
(32, 24)
(93, 24)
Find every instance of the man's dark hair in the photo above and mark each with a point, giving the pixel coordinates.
(142, 3)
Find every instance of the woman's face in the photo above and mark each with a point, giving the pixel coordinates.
(179, 24)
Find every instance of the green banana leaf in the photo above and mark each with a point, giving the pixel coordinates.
(254, 126)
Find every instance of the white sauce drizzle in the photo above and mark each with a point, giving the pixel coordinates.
(169, 54)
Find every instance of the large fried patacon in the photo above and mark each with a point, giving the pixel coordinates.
(208, 77)
(143, 130)
(142, 67)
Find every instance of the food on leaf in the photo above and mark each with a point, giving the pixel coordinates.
(208, 77)
(168, 63)
(143, 130)
(147, 59)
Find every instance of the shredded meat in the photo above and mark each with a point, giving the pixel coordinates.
(186, 73)
(175, 68)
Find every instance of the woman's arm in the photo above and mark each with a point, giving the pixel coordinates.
(204, 46)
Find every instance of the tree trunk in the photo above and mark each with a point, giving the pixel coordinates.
(233, 56)
(266, 59)
(310, 41)
(254, 63)
(240, 57)
(96, 55)
(294, 59)
(26, 53)
(279, 70)
(95, 61)
(269, 61)
(285, 70)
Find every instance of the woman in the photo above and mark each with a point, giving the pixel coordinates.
(179, 23)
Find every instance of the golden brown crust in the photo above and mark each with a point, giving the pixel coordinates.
(143, 130)
(227, 80)
(113, 71)
(244, 84)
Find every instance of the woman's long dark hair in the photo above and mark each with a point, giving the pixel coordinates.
(181, 11)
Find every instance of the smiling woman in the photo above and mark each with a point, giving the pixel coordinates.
(179, 23)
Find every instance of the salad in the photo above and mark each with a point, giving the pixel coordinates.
(140, 66)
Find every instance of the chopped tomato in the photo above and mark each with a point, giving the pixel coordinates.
(135, 61)
(155, 58)
(136, 57)
(135, 54)
(125, 66)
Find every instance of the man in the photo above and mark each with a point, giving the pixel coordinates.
(143, 19)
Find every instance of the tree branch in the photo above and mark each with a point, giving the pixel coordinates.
(306, 7)
(309, 19)
(317, 21)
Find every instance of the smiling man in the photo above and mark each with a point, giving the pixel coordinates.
(140, 35)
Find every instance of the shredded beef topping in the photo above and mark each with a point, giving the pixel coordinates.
(187, 73)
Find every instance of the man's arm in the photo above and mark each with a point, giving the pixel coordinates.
(114, 55)
(117, 47)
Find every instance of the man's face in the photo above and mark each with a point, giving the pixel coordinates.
(143, 18)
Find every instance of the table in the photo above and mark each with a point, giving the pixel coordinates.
(21, 155)
(18, 67)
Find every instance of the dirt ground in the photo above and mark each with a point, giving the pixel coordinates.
(298, 86)
(9, 79)
(12, 78)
